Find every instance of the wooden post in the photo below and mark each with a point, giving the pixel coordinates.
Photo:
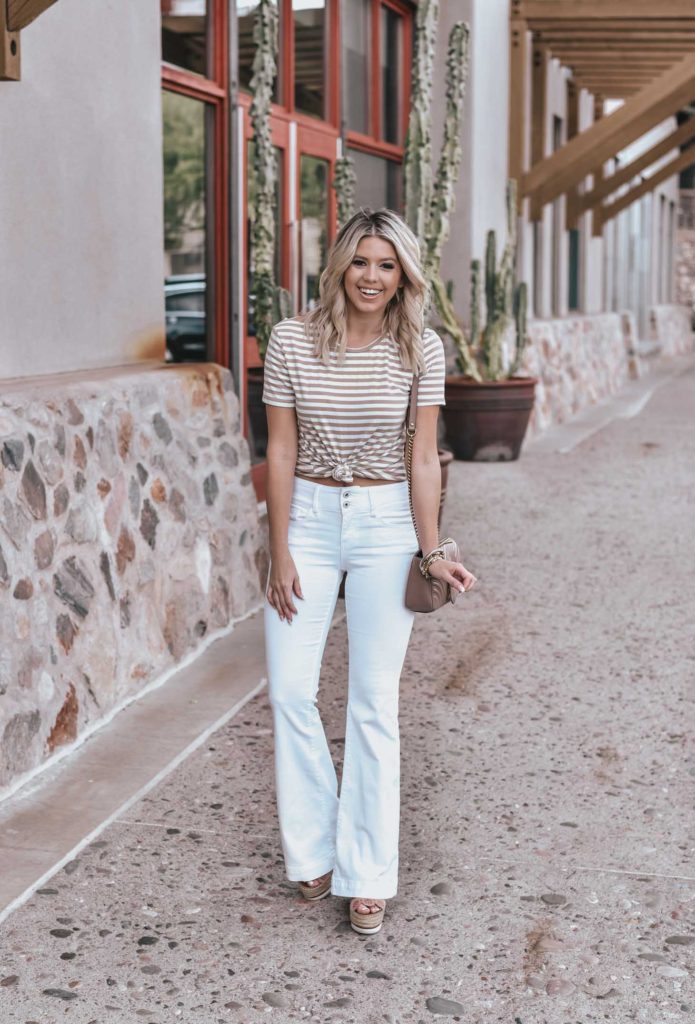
(596, 219)
(572, 207)
(539, 114)
(517, 97)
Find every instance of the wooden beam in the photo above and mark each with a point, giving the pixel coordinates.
(21, 13)
(557, 172)
(685, 160)
(9, 49)
(539, 112)
(517, 98)
(571, 10)
(627, 172)
(610, 24)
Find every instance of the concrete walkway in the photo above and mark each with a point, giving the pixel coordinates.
(547, 828)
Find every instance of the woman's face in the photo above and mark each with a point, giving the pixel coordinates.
(373, 276)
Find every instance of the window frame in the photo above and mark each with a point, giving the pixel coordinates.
(213, 91)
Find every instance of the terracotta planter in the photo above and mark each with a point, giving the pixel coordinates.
(257, 416)
(486, 422)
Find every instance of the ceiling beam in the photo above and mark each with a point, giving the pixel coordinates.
(652, 104)
(627, 172)
(570, 10)
(606, 213)
(21, 13)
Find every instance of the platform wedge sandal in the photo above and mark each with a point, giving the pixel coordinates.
(316, 892)
(366, 924)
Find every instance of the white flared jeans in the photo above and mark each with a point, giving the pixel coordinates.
(368, 532)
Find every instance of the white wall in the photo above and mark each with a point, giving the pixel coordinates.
(81, 260)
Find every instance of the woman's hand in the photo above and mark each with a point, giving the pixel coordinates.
(454, 573)
(283, 584)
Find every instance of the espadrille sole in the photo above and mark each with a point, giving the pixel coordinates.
(312, 893)
(366, 924)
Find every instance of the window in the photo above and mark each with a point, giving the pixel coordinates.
(356, 50)
(309, 64)
(195, 172)
(185, 34)
(379, 181)
(391, 67)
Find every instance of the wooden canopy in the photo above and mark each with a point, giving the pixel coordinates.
(14, 16)
(640, 51)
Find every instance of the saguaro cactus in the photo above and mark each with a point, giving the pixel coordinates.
(344, 182)
(270, 302)
(428, 206)
(428, 202)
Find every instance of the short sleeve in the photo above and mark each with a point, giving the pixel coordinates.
(277, 386)
(431, 386)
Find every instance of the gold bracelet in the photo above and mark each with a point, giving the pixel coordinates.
(427, 561)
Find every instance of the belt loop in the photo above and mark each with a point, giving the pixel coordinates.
(315, 499)
(371, 493)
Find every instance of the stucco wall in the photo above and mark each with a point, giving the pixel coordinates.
(81, 259)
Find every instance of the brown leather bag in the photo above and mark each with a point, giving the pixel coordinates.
(421, 594)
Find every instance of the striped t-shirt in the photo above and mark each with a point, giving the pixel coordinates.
(350, 417)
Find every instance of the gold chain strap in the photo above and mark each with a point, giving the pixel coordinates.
(408, 471)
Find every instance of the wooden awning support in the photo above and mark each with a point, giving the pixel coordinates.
(591, 200)
(14, 16)
(580, 156)
(610, 210)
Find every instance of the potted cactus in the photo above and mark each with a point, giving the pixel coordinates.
(270, 302)
(487, 404)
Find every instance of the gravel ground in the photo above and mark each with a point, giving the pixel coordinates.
(547, 830)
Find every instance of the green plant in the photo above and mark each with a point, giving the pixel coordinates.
(504, 301)
(429, 202)
(271, 302)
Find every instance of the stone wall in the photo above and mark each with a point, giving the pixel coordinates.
(128, 533)
(685, 268)
(578, 361)
(671, 327)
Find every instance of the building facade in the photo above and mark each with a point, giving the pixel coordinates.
(132, 455)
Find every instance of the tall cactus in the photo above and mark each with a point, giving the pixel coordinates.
(417, 172)
(269, 299)
(344, 182)
(428, 207)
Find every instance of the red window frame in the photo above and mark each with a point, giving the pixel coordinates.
(373, 143)
(214, 92)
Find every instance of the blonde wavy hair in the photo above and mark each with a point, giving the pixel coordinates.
(326, 324)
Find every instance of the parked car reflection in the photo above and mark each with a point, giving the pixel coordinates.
(186, 330)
